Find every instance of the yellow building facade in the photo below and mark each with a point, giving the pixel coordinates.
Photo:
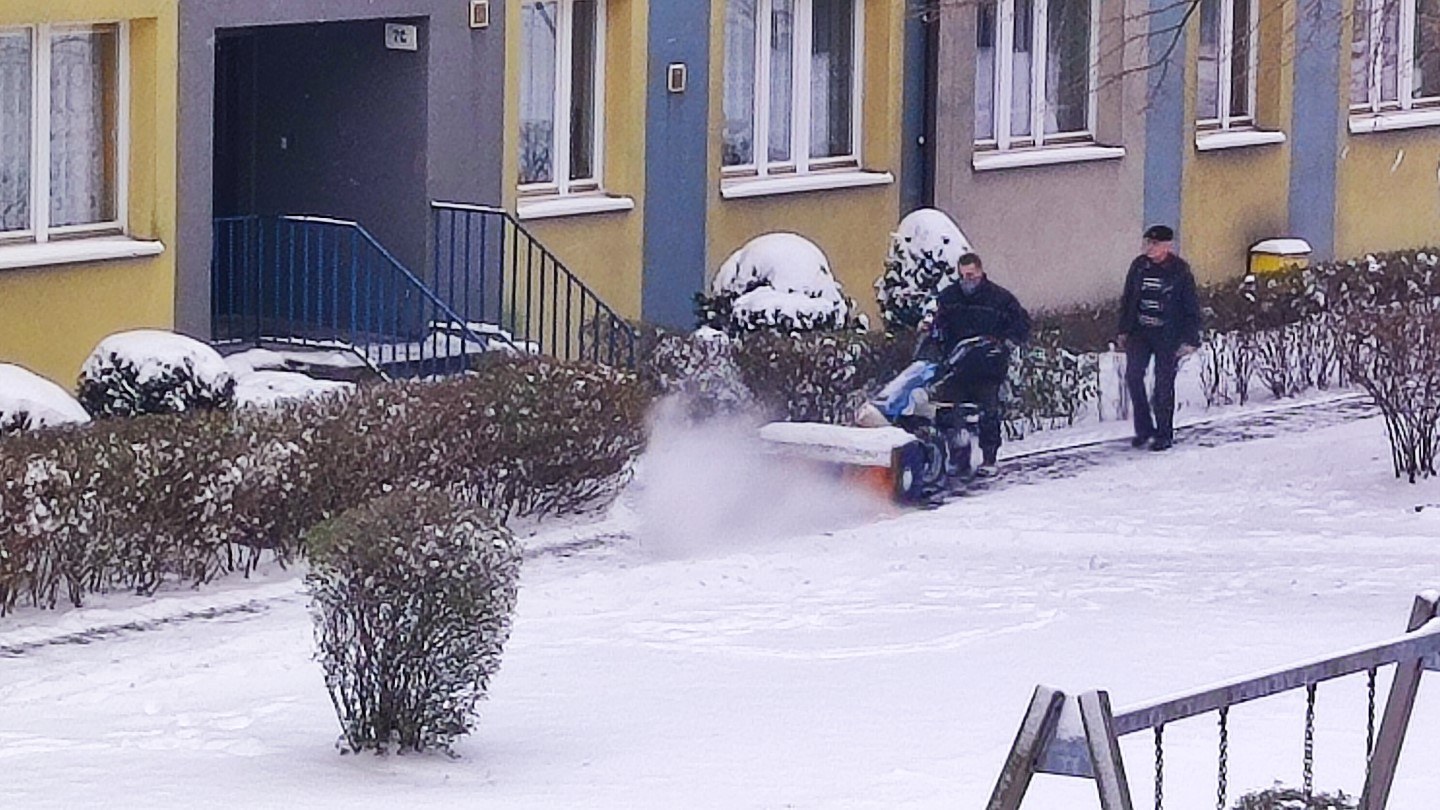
(86, 245)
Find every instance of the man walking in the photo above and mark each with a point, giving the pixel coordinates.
(975, 306)
(1159, 319)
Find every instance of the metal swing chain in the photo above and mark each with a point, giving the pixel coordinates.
(1308, 785)
(1370, 725)
(1222, 789)
(1160, 767)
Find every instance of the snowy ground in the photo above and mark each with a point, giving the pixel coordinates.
(718, 660)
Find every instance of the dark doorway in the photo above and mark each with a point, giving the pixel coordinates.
(236, 123)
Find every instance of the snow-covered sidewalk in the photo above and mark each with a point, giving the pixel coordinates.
(882, 665)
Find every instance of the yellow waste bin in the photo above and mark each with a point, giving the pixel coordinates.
(1274, 255)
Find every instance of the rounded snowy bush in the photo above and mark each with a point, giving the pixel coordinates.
(780, 282)
(924, 258)
(411, 597)
(29, 402)
(151, 372)
(699, 372)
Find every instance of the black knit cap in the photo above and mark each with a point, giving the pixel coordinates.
(1160, 233)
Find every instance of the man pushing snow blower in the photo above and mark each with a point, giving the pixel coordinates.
(953, 387)
(916, 433)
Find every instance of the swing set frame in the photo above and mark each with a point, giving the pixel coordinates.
(1079, 735)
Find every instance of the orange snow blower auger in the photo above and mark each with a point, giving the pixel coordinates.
(907, 446)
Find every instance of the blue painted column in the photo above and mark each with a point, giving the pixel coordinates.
(677, 162)
(1166, 129)
(917, 177)
(1315, 128)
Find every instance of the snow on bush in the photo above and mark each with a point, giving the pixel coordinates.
(411, 597)
(1048, 385)
(267, 389)
(924, 258)
(150, 372)
(700, 373)
(777, 282)
(29, 401)
(1283, 798)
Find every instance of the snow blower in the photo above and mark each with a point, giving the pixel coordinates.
(905, 445)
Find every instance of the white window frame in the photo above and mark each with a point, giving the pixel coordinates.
(564, 94)
(1405, 67)
(40, 231)
(800, 161)
(1224, 92)
(1003, 88)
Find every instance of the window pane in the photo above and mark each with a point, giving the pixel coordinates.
(1427, 49)
(1067, 72)
(1240, 60)
(739, 147)
(84, 90)
(16, 53)
(539, 44)
(1390, 51)
(985, 39)
(1020, 70)
(1360, 57)
(1207, 91)
(782, 89)
(832, 78)
(583, 70)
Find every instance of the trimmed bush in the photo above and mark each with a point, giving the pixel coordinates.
(1282, 798)
(152, 372)
(1048, 385)
(778, 282)
(699, 371)
(822, 377)
(31, 402)
(411, 597)
(924, 259)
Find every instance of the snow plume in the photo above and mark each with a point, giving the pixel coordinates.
(714, 485)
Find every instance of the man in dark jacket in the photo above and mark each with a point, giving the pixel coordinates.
(975, 306)
(1159, 319)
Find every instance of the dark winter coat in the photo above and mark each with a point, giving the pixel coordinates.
(988, 311)
(1160, 303)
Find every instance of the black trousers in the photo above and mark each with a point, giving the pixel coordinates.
(1154, 415)
(984, 394)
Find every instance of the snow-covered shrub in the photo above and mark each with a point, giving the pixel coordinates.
(778, 282)
(153, 372)
(1049, 385)
(821, 377)
(29, 402)
(1282, 798)
(924, 258)
(411, 597)
(699, 371)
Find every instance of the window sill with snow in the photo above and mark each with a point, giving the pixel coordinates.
(76, 251)
(1221, 139)
(571, 205)
(739, 188)
(995, 160)
(1393, 120)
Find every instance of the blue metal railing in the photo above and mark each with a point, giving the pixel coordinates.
(322, 283)
(503, 281)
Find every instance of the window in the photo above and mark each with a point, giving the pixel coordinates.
(1395, 55)
(1035, 64)
(1225, 96)
(561, 95)
(62, 159)
(792, 79)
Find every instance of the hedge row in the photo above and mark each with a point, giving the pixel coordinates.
(130, 503)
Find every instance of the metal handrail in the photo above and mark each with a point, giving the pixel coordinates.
(324, 282)
(512, 279)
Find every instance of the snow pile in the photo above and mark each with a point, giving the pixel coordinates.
(779, 281)
(924, 258)
(266, 389)
(150, 371)
(29, 401)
